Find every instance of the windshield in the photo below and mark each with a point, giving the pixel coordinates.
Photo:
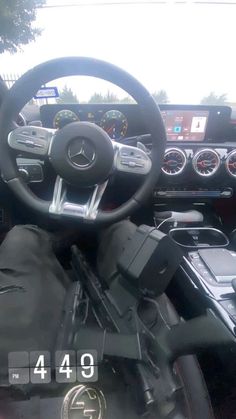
(183, 52)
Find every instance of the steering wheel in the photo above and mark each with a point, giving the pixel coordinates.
(81, 153)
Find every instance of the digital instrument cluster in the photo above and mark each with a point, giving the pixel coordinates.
(180, 125)
(117, 120)
(183, 123)
(113, 122)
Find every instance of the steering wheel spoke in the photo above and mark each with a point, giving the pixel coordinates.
(61, 206)
(32, 140)
(132, 160)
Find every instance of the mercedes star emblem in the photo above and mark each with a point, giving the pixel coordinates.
(81, 153)
(83, 402)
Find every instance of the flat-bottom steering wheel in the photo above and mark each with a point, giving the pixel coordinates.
(81, 153)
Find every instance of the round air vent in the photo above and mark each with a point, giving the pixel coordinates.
(206, 162)
(231, 163)
(174, 162)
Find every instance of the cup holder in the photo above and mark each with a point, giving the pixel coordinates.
(199, 237)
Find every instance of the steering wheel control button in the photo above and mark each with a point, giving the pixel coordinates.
(26, 139)
(132, 160)
(29, 143)
(82, 154)
(30, 172)
(24, 174)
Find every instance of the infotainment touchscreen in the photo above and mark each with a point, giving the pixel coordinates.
(185, 125)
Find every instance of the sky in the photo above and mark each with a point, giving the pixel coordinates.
(188, 49)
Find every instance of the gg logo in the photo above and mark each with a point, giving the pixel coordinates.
(83, 402)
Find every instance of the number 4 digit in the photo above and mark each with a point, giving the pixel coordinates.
(39, 367)
(65, 366)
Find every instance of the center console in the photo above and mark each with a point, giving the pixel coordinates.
(197, 171)
(208, 269)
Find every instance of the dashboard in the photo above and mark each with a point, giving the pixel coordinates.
(200, 157)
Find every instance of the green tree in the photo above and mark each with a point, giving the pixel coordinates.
(109, 97)
(16, 19)
(161, 96)
(96, 98)
(127, 99)
(214, 99)
(67, 96)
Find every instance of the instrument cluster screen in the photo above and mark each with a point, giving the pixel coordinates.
(185, 125)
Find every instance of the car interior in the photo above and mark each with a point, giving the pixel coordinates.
(159, 329)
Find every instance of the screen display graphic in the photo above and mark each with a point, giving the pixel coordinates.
(184, 125)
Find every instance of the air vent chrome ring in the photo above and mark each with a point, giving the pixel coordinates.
(206, 162)
(174, 162)
(230, 163)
